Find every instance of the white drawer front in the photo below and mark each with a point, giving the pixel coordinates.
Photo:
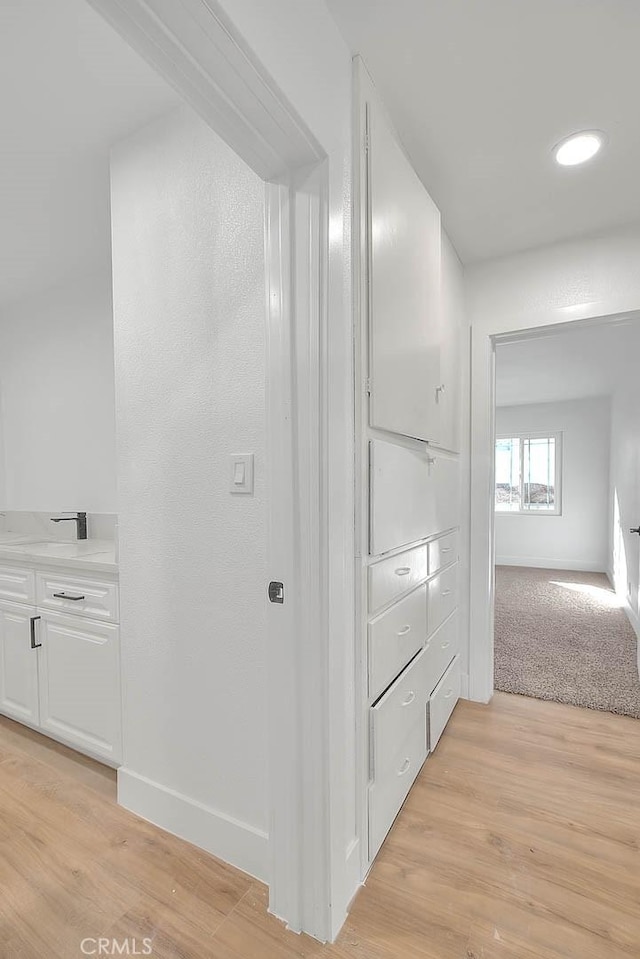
(78, 596)
(443, 551)
(442, 702)
(396, 713)
(440, 649)
(443, 596)
(17, 585)
(395, 637)
(391, 578)
(389, 790)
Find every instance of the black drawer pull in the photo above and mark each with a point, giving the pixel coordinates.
(75, 599)
(34, 645)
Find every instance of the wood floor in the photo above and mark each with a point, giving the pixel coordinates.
(520, 840)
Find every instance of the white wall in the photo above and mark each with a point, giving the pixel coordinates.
(624, 547)
(299, 44)
(585, 279)
(189, 309)
(578, 538)
(57, 400)
(594, 277)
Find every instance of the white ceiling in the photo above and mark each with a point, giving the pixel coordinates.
(69, 88)
(481, 90)
(566, 366)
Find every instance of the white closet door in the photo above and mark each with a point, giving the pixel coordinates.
(404, 290)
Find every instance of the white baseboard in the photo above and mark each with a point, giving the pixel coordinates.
(353, 882)
(234, 842)
(537, 563)
(631, 615)
(635, 622)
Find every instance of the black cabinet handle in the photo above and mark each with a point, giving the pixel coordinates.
(74, 599)
(636, 530)
(34, 620)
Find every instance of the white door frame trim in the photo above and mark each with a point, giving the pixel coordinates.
(482, 557)
(199, 52)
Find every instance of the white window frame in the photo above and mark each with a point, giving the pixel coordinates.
(532, 435)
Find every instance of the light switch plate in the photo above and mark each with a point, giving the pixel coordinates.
(241, 480)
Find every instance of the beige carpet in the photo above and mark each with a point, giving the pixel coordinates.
(560, 635)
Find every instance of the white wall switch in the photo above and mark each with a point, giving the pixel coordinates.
(241, 473)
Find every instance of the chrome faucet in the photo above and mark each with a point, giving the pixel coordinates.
(80, 519)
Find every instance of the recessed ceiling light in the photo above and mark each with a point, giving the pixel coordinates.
(578, 148)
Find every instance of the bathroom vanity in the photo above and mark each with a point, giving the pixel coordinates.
(59, 642)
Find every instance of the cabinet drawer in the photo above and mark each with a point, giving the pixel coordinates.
(392, 577)
(442, 702)
(440, 649)
(17, 585)
(75, 595)
(395, 637)
(389, 789)
(396, 713)
(443, 551)
(443, 596)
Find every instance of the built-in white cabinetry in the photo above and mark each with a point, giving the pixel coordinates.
(395, 636)
(59, 658)
(18, 663)
(404, 290)
(80, 683)
(413, 494)
(77, 594)
(412, 644)
(17, 585)
(408, 440)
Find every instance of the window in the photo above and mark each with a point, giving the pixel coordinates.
(528, 473)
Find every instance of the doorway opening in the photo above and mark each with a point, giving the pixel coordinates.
(565, 512)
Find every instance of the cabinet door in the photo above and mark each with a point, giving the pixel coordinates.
(18, 664)
(413, 494)
(80, 683)
(404, 290)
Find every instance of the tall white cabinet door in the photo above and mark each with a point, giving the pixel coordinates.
(404, 290)
(79, 683)
(414, 494)
(18, 664)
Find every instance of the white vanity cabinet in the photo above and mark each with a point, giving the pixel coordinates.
(79, 683)
(60, 658)
(18, 663)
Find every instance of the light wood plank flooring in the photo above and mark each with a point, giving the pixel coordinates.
(520, 840)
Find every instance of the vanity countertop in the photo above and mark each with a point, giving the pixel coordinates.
(90, 555)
